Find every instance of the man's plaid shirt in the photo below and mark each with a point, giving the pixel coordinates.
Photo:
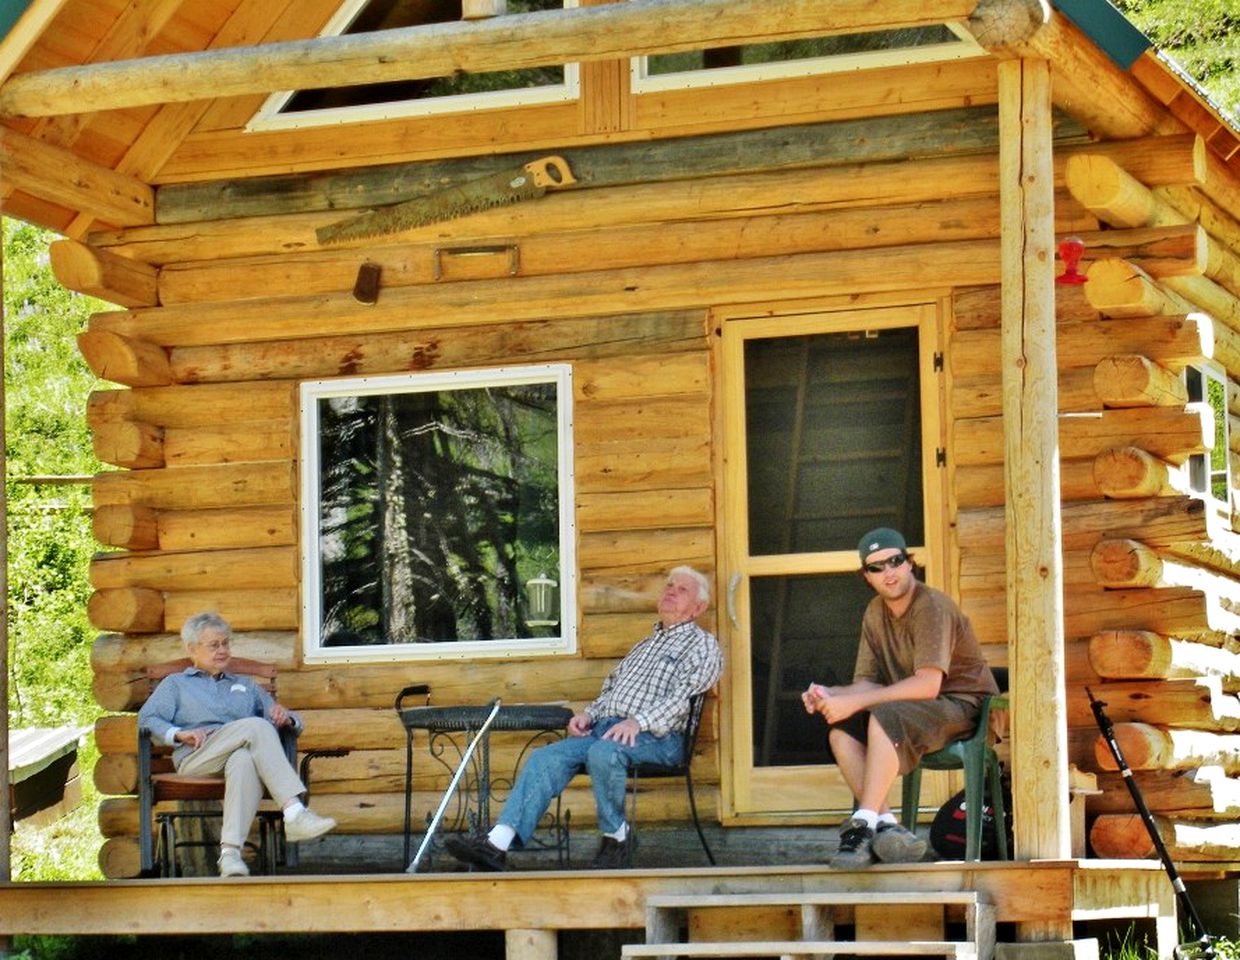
(653, 684)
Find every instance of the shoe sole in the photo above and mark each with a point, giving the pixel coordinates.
(467, 855)
(898, 850)
(314, 834)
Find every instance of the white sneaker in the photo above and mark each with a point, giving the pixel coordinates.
(231, 864)
(306, 826)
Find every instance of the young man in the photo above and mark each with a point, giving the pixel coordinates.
(917, 685)
(219, 722)
(637, 718)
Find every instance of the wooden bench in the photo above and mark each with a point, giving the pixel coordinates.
(664, 914)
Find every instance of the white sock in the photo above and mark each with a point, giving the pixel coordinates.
(293, 811)
(869, 816)
(887, 817)
(501, 836)
(620, 835)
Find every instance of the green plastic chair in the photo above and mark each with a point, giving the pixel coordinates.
(980, 763)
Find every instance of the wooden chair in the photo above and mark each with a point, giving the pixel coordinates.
(980, 763)
(158, 782)
(684, 769)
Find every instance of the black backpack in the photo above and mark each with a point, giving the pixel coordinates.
(947, 831)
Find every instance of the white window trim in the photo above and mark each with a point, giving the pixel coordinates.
(642, 82)
(311, 392)
(269, 116)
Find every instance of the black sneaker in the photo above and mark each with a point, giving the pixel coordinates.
(477, 851)
(613, 854)
(896, 844)
(856, 841)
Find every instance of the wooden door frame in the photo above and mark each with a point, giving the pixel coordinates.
(818, 793)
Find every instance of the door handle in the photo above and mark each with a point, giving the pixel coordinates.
(734, 581)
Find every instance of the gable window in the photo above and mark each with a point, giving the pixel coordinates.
(461, 91)
(791, 58)
(436, 515)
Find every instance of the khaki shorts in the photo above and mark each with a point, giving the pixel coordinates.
(916, 727)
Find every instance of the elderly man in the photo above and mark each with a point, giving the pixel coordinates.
(917, 685)
(638, 717)
(222, 723)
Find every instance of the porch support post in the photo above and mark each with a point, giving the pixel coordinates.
(1031, 470)
(530, 945)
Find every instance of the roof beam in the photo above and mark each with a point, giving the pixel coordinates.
(581, 34)
(59, 175)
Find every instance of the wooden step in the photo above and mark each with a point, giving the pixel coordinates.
(691, 901)
(802, 948)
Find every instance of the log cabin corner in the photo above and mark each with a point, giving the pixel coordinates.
(780, 271)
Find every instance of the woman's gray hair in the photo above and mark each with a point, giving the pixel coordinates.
(697, 577)
(193, 628)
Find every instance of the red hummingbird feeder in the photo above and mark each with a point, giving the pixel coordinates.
(1070, 251)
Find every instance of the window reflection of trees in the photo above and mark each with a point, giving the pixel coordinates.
(436, 507)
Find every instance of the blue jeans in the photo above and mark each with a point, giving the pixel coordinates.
(549, 769)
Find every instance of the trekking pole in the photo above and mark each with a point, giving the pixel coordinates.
(456, 778)
(1204, 941)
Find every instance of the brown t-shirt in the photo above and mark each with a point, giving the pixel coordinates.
(931, 633)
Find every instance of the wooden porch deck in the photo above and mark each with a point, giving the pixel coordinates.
(1028, 894)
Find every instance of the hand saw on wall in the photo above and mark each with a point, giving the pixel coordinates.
(530, 180)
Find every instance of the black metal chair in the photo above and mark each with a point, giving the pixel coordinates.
(650, 771)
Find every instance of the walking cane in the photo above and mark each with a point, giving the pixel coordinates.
(1205, 943)
(456, 778)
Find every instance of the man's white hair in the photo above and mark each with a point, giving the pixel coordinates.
(193, 628)
(697, 577)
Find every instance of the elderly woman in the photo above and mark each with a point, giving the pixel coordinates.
(218, 722)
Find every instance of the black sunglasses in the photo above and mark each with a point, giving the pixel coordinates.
(891, 562)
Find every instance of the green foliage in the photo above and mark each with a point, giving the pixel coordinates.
(49, 535)
(1200, 36)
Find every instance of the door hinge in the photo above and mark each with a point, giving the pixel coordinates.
(940, 457)
(938, 361)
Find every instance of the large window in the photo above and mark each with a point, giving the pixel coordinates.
(437, 515)
(460, 91)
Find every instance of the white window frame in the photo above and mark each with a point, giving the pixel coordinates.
(641, 81)
(312, 392)
(269, 116)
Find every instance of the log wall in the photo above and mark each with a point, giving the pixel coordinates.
(617, 279)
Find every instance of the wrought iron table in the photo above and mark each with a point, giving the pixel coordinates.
(449, 731)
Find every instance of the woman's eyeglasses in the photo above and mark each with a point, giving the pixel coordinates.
(890, 563)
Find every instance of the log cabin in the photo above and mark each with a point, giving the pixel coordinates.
(439, 332)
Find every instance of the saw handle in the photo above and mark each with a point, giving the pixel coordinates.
(550, 172)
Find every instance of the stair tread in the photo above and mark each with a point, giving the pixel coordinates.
(919, 898)
(955, 948)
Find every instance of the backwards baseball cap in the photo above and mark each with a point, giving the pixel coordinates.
(881, 538)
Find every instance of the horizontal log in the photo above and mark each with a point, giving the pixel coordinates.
(1127, 473)
(1174, 342)
(1114, 195)
(253, 441)
(1145, 746)
(1188, 706)
(982, 486)
(125, 525)
(646, 550)
(674, 464)
(119, 858)
(1173, 434)
(113, 652)
(1208, 296)
(1131, 380)
(255, 568)
(680, 286)
(263, 609)
(199, 488)
(592, 338)
(127, 610)
(1200, 793)
(1144, 655)
(1119, 289)
(1166, 251)
(221, 529)
(658, 418)
(676, 230)
(982, 396)
(644, 509)
(98, 273)
(135, 363)
(522, 40)
(1125, 836)
(206, 405)
(129, 443)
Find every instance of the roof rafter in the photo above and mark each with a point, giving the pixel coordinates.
(580, 34)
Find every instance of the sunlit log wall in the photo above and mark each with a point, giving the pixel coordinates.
(230, 301)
